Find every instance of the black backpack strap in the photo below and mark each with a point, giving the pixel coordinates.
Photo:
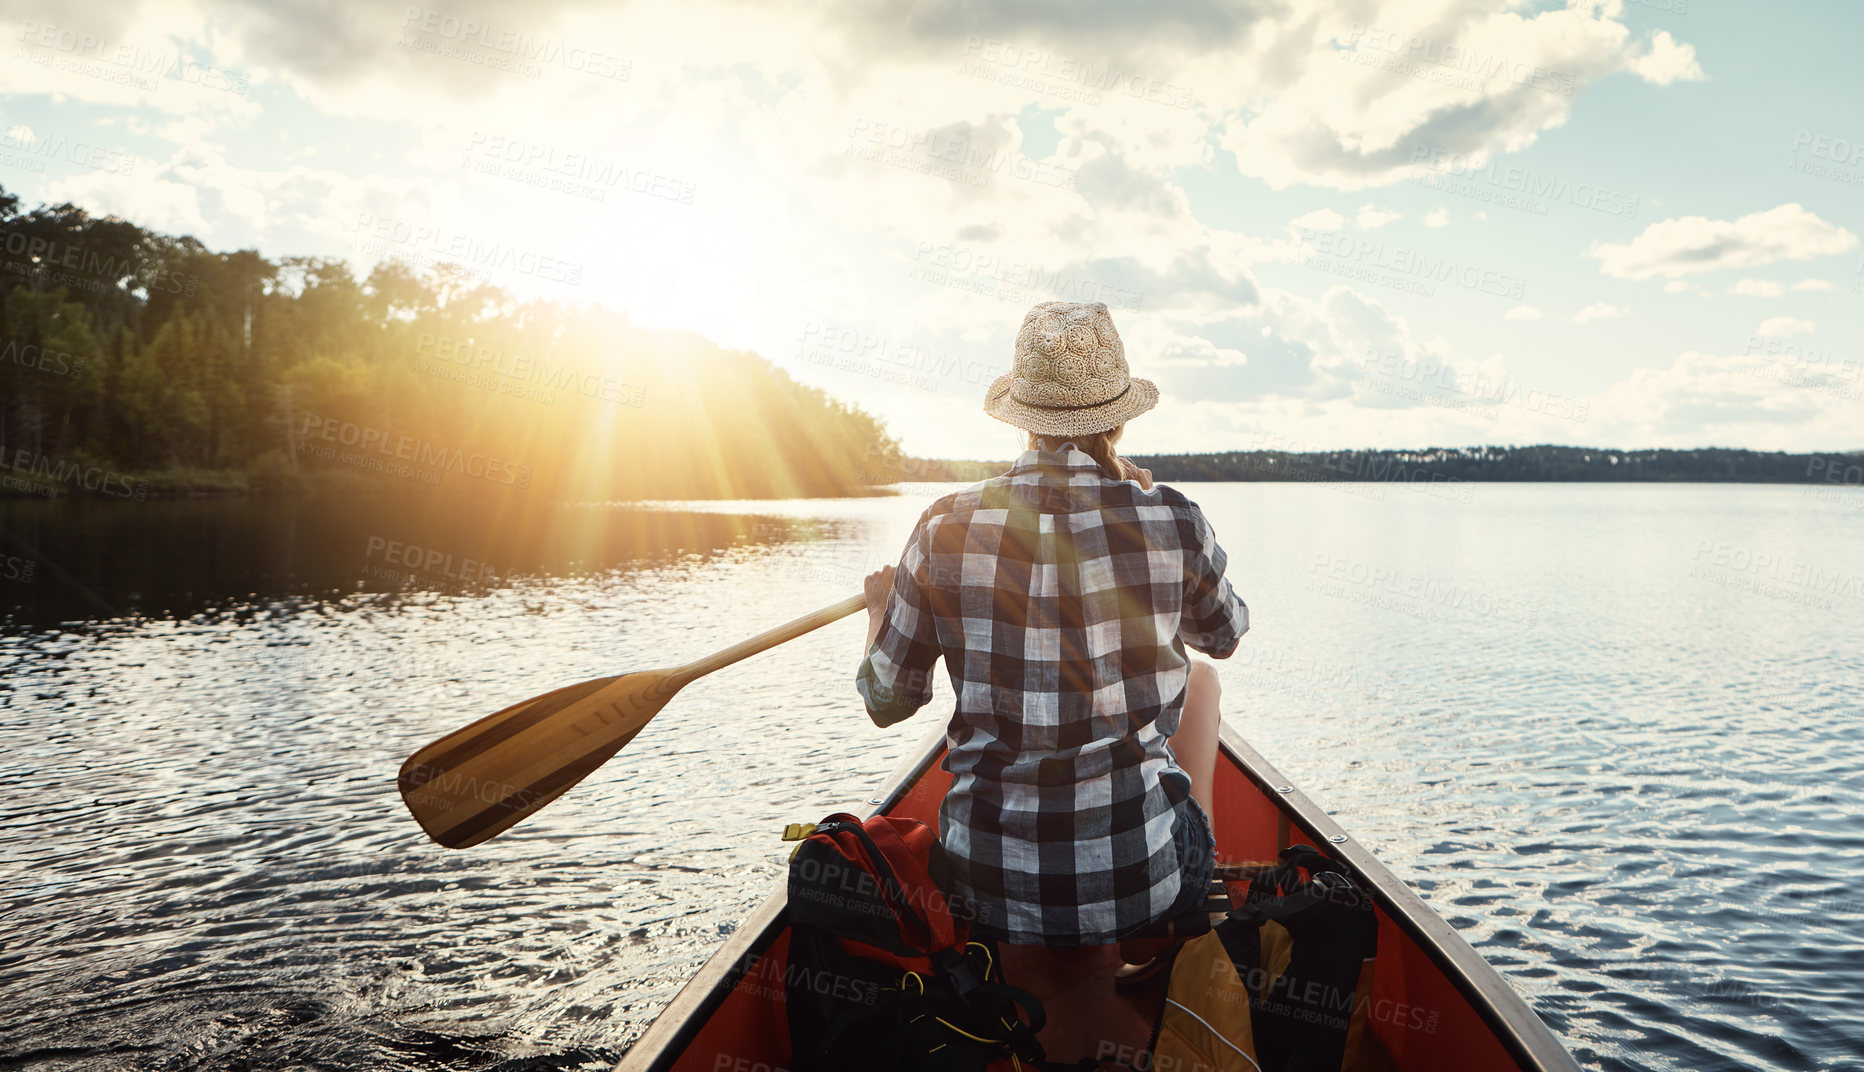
(1312, 859)
(1022, 999)
(1281, 908)
(1304, 896)
(1243, 945)
(825, 1044)
(943, 1051)
(1285, 878)
(959, 971)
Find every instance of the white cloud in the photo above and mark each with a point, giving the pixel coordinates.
(1321, 219)
(1785, 327)
(1437, 217)
(1675, 286)
(1765, 403)
(1599, 311)
(156, 57)
(1371, 216)
(1813, 284)
(1693, 244)
(1300, 374)
(1757, 288)
(1707, 399)
(1367, 94)
(1522, 312)
(1314, 93)
(1666, 61)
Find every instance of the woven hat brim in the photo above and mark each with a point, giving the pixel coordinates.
(1140, 397)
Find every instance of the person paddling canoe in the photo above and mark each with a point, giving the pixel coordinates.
(1062, 596)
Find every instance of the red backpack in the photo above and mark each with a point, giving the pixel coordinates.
(882, 972)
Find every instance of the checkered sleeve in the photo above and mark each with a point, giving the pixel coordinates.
(895, 678)
(1214, 617)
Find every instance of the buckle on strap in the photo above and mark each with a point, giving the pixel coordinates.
(959, 970)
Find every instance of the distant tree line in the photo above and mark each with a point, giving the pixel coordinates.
(1536, 463)
(128, 352)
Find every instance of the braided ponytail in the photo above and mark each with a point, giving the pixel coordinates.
(1097, 445)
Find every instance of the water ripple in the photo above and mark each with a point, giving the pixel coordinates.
(1632, 789)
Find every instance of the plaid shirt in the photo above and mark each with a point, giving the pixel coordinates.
(1062, 600)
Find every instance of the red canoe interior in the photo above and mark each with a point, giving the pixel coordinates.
(1419, 1017)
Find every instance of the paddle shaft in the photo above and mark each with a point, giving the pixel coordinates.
(672, 681)
(744, 649)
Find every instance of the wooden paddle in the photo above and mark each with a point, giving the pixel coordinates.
(476, 783)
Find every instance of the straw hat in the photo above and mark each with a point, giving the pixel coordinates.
(1070, 375)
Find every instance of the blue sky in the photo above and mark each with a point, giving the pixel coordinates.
(1300, 219)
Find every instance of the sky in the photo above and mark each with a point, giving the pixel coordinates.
(1321, 225)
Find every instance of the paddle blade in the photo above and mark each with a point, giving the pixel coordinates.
(476, 783)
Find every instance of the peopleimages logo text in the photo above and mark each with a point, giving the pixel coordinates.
(522, 369)
(1042, 63)
(1484, 64)
(26, 149)
(406, 448)
(471, 32)
(1413, 263)
(542, 164)
(467, 249)
(129, 58)
(1483, 178)
(430, 561)
(45, 253)
(33, 356)
(78, 475)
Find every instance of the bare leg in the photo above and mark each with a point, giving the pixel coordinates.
(1195, 743)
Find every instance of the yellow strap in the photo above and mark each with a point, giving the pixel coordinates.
(990, 965)
(966, 1034)
(798, 832)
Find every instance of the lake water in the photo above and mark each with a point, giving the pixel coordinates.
(1615, 734)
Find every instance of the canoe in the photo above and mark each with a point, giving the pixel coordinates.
(1435, 1003)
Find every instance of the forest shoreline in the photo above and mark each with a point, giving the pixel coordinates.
(1438, 468)
(1541, 463)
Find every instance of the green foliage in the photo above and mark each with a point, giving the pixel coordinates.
(273, 473)
(169, 359)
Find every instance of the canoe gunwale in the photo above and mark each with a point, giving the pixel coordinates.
(670, 1033)
(1522, 1032)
